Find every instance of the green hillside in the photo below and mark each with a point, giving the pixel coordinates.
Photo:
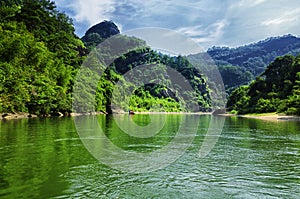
(41, 60)
(276, 90)
(40, 57)
(152, 96)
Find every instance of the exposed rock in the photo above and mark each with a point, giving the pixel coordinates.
(32, 116)
(99, 32)
(66, 114)
(57, 114)
(75, 114)
(5, 115)
(91, 113)
(9, 116)
(219, 111)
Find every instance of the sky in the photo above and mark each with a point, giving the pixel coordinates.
(208, 22)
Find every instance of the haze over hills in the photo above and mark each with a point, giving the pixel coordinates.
(240, 65)
(257, 56)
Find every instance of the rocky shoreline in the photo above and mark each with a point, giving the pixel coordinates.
(11, 116)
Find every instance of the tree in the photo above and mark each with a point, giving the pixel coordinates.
(279, 91)
(36, 67)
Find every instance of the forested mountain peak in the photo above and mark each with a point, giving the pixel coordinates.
(276, 42)
(105, 29)
(97, 33)
(268, 44)
(257, 56)
(151, 94)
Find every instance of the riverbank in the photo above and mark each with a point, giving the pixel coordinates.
(21, 115)
(262, 116)
(175, 113)
(11, 116)
(267, 116)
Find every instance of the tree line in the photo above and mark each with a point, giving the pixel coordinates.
(40, 56)
(277, 89)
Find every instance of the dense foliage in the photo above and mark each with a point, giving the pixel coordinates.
(40, 58)
(276, 90)
(246, 62)
(159, 94)
(39, 54)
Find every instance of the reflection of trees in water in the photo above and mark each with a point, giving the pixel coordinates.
(35, 153)
(125, 141)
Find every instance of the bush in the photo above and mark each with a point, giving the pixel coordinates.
(293, 111)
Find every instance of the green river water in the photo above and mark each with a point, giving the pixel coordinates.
(245, 158)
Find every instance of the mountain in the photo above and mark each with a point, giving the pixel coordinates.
(246, 62)
(41, 59)
(237, 66)
(162, 91)
(98, 33)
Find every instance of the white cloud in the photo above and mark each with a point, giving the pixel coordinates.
(277, 21)
(257, 2)
(219, 28)
(192, 31)
(92, 11)
(247, 3)
(205, 34)
(286, 17)
(209, 22)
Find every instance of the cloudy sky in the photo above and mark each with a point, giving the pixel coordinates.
(208, 22)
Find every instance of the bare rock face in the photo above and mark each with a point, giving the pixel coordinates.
(219, 111)
(99, 32)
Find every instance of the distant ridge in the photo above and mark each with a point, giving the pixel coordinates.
(256, 56)
(240, 65)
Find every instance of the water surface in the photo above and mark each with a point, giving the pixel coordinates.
(46, 158)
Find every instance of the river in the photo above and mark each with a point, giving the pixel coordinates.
(69, 158)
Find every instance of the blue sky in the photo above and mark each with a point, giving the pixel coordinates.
(208, 22)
